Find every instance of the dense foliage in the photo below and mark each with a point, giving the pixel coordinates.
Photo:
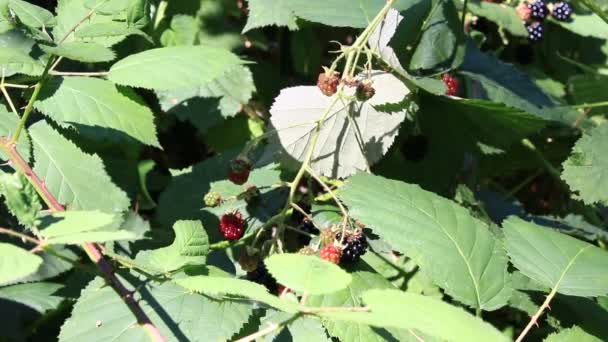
(304, 170)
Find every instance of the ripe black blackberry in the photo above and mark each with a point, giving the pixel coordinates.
(354, 246)
(562, 11)
(261, 276)
(538, 9)
(535, 31)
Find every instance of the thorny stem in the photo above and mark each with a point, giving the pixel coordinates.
(534, 319)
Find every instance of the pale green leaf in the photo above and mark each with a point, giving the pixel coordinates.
(13, 60)
(109, 6)
(312, 274)
(574, 334)
(38, 296)
(190, 247)
(352, 137)
(173, 67)
(32, 15)
(234, 88)
(77, 179)
(108, 30)
(70, 13)
(455, 249)
(590, 25)
(100, 315)
(586, 170)
(76, 227)
(555, 260)
(98, 104)
(397, 309)
(20, 198)
(597, 7)
(351, 297)
(52, 266)
(81, 51)
(219, 286)
(270, 12)
(16, 263)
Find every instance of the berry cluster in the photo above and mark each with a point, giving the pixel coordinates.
(328, 82)
(355, 245)
(533, 13)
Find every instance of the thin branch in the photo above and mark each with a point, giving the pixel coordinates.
(261, 333)
(8, 99)
(23, 237)
(581, 117)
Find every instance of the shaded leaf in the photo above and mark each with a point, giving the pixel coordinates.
(38, 296)
(20, 198)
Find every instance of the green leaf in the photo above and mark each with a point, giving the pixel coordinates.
(20, 198)
(16, 263)
(8, 125)
(504, 83)
(587, 166)
(455, 249)
(589, 25)
(101, 315)
(298, 329)
(38, 296)
(19, 62)
(98, 104)
(351, 297)
(555, 260)
(235, 89)
(596, 7)
(111, 29)
(81, 51)
(503, 16)
(183, 197)
(313, 275)
(396, 309)
(52, 266)
(32, 15)
(572, 334)
(190, 247)
(588, 88)
(380, 39)
(352, 137)
(173, 67)
(68, 173)
(439, 43)
(70, 13)
(76, 227)
(219, 286)
(264, 13)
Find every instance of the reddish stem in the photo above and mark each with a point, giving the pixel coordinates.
(92, 249)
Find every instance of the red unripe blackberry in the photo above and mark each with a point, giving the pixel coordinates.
(353, 246)
(239, 171)
(451, 83)
(232, 225)
(331, 253)
(328, 82)
(523, 11)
